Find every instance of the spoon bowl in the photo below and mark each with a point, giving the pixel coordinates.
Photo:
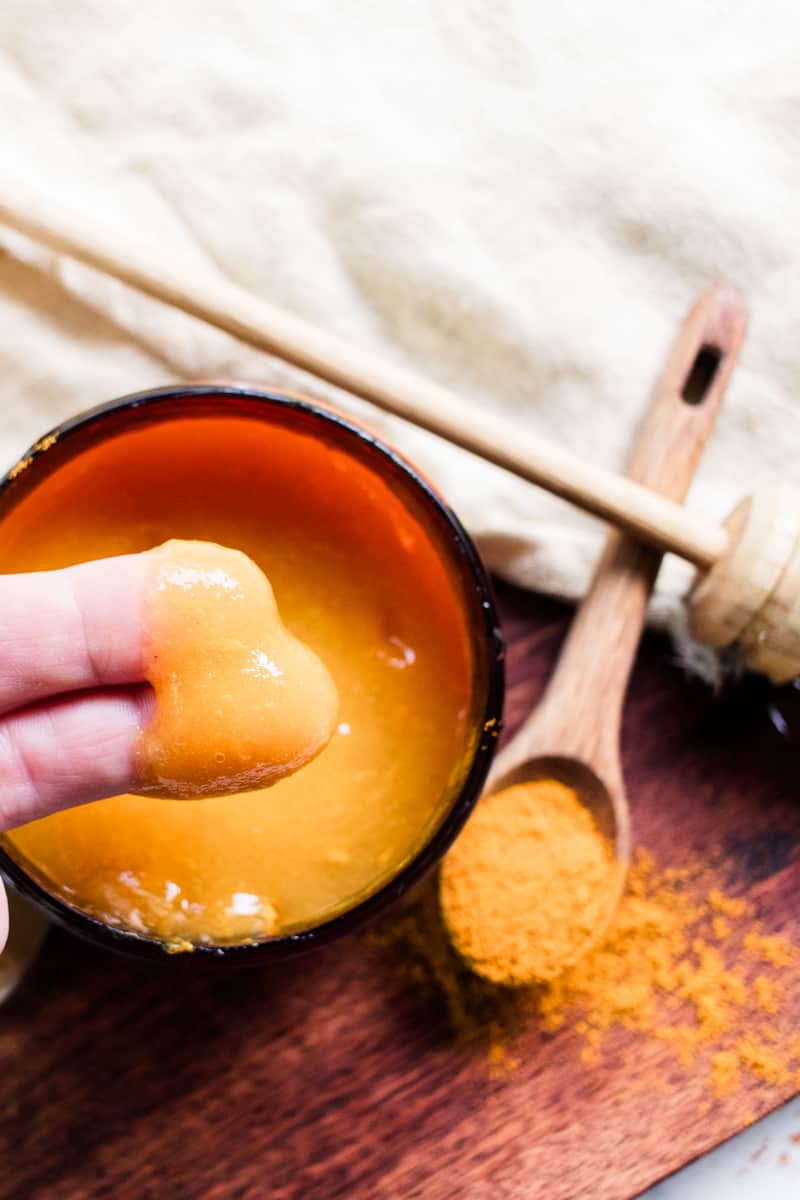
(609, 810)
(570, 877)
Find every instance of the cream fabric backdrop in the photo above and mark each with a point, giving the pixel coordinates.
(518, 199)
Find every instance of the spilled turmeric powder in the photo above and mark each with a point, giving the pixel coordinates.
(528, 885)
(665, 973)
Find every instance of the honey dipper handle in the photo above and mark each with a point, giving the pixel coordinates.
(582, 708)
(206, 294)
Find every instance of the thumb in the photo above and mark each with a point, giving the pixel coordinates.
(72, 700)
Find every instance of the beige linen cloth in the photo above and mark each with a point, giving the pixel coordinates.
(519, 200)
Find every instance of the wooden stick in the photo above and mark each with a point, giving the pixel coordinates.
(203, 294)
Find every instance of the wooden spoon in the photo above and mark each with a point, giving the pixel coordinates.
(573, 735)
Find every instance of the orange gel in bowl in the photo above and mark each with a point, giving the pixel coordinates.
(240, 702)
(367, 573)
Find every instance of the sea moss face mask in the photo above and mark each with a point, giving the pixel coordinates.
(360, 581)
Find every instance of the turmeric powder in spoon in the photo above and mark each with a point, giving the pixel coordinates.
(525, 888)
(532, 883)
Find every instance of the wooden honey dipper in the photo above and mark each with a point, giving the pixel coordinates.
(748, 585)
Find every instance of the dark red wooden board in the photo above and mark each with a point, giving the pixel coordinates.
(337, 1077)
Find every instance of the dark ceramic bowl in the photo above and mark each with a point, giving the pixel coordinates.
(69, 439)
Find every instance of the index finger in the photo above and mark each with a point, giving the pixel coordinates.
(71, 629)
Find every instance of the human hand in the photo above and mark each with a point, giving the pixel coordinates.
(72, 695)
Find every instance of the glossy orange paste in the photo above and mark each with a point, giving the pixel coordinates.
(240, 702)
(358, 580)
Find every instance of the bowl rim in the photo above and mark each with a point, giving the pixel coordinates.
(488, 721)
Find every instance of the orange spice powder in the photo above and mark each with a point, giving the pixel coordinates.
(668, 970)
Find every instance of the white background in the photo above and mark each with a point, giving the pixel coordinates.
(761, 1162)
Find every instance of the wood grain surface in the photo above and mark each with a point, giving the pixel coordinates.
(336, 1076)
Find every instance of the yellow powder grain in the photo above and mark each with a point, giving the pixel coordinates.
(725, 1072)
(501, 1061)
(728, 906)
(768, 993)
(771, 948)
(763, 1061)
(720, 927)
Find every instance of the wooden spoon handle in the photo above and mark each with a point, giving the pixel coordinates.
(208, 295)
(582, 707)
